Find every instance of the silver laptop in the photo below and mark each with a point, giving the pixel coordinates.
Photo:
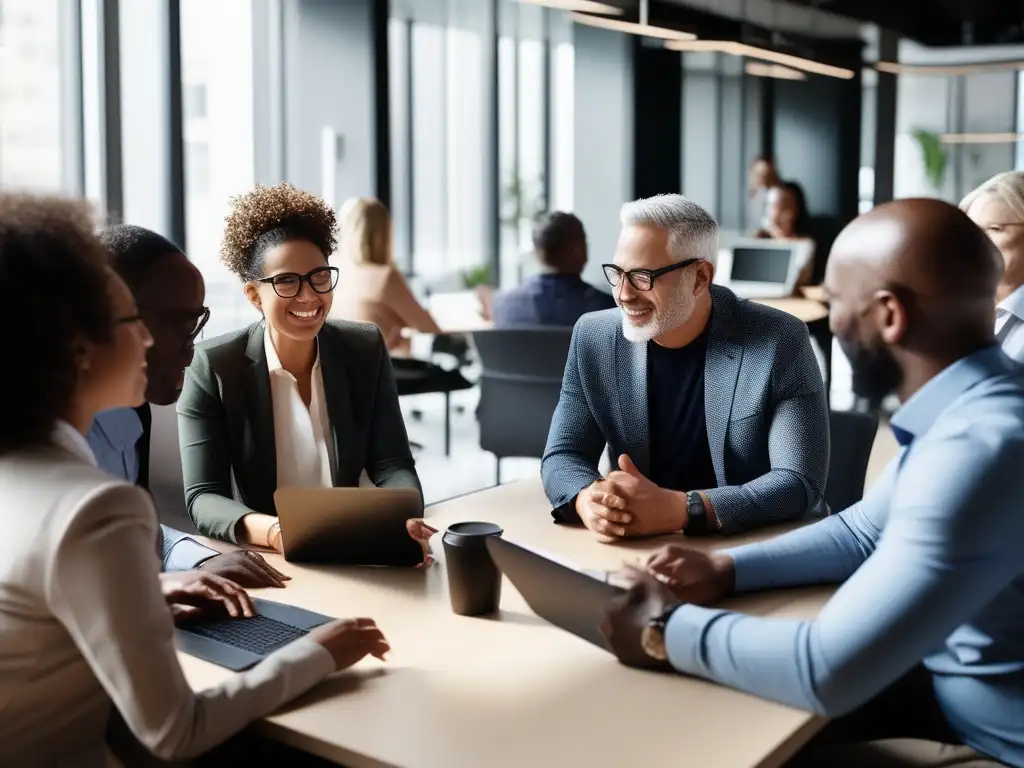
(349, 526)
(762, 269)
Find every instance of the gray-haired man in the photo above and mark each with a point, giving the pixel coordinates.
(712, 408)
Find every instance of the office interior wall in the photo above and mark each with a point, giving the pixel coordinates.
(701, 137)
(604, 138)
(817, 130)
(329, 83)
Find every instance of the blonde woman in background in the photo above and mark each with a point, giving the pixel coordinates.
(997, 206)
(371, 289)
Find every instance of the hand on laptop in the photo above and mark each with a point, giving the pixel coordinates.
(189, 593)
(421, 532)
(692, 575)
(246, 568)
(349, 640)
(628, 615)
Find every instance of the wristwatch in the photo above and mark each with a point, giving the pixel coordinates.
(652, 638)
(696, 514)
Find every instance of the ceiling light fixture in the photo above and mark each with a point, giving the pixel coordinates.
(777, 71)
(583, 6)
(981, 138)
(640, 27)
(764, 54)
(947, 70)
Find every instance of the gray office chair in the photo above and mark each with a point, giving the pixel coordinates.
(853, 437)
(519, 388)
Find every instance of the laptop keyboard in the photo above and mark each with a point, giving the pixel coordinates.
(260, 635)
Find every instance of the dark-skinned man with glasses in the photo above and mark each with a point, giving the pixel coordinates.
(713, 409)
(169, 291)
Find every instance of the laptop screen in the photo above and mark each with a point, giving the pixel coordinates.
(751, 264)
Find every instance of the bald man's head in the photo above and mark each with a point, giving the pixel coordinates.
(911, 278)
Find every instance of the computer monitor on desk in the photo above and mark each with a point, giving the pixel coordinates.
(763, 269)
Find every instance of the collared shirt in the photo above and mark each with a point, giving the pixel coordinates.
(1010, 324)
(113, 439)
(72, 441)
(303, 439)
(933, 565)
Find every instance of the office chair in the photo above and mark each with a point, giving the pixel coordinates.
(519, 388)
(853, 437)
(420, 377)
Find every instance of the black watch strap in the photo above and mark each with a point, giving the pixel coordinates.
(660, 622)
(696, 514)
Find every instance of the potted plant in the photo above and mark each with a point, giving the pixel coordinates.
(934, 156)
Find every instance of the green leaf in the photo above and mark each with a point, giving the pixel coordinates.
(933, 155)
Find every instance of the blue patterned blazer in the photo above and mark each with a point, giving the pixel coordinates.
(764, 401)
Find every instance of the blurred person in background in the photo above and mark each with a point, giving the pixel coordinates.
(371, 289)
(997, 206)
(559, 295)
(787, 218)
(762, 177)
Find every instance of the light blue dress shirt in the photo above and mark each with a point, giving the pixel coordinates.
(932, 562)
(113, 438)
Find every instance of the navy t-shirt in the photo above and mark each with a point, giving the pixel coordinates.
(680, 456)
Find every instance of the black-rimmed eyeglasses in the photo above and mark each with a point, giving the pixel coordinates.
(641, 279)
(288, 284)
(187, 323)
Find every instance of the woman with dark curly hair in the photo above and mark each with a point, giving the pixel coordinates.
(86, 618)
(291, 400)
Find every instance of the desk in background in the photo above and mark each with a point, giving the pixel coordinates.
(512, 690)
(459, 312)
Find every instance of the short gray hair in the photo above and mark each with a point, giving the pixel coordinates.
(692, 231)
(1008, 186)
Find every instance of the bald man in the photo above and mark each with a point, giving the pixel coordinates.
(924, 641)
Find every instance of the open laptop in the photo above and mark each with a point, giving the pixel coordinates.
(240, 643)
(571, 598)
(349, 526)
(762, 269)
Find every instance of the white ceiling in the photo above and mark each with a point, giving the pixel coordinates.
(780, 16)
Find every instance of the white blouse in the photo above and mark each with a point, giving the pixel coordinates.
(302, 436)
(83, 624)
(304, 440)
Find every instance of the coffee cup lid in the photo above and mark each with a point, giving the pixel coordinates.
(474, 529)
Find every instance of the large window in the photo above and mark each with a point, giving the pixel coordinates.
(31, 110)
(217, 102)
(438, 141)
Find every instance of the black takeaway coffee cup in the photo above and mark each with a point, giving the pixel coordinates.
(474, 581)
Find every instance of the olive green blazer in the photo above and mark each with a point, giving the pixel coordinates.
(226, 422)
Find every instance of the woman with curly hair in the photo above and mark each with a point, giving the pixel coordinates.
(291, 400)
(86, 618)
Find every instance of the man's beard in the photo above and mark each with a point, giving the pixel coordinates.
(669, 318)
(876, 373)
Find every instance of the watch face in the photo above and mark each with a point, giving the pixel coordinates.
(653, 641)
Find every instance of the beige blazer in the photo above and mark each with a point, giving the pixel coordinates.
(371, 293)
(84, 626)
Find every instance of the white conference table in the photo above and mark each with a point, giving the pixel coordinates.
(512, 690)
